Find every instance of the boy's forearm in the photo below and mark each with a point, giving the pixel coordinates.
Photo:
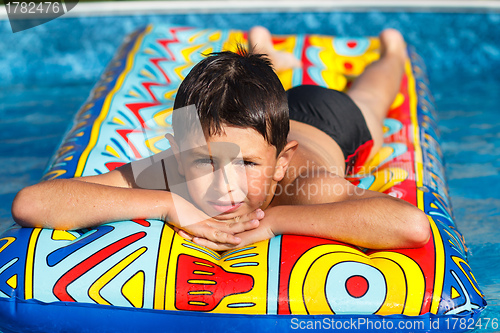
(376, 223)
(74, 204)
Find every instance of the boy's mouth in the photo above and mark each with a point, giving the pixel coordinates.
(225, 206)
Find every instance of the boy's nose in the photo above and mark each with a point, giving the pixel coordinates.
(227, 178)
(229, 175)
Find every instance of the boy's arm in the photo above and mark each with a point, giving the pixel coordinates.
(90, 201)
(338, 210)
(379, 222)
(79, 203)
(87, 201)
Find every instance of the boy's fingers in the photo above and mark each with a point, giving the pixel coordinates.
(211, 245)
(223, 237)
(240, 226)
(256, 214)
(250, 225)
(184, 234)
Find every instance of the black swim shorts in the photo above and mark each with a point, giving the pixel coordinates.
(334, 113)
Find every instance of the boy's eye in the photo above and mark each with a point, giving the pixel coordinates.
(245, 163)
(203, 161)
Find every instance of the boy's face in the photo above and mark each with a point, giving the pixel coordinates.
(230, 174)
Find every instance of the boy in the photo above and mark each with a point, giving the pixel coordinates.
(277, 163)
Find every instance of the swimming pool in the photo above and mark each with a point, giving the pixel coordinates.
(48, 72)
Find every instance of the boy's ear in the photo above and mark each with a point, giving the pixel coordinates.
(284, 159)
(176, 151)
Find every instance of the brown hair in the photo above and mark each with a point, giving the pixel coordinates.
(239, 89)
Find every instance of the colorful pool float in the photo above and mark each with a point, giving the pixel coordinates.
(140, 276)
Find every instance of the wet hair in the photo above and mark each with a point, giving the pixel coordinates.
(237, 89)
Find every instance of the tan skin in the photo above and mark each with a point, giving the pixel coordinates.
(311, 160)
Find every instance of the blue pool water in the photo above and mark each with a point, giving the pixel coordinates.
(48, 71)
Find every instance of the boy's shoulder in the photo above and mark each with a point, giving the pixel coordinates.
(311, 186)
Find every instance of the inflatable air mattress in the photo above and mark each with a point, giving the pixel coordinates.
(139, 276)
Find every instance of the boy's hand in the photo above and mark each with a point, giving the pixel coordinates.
(217, 234)
(253, 235)
(262, 232)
